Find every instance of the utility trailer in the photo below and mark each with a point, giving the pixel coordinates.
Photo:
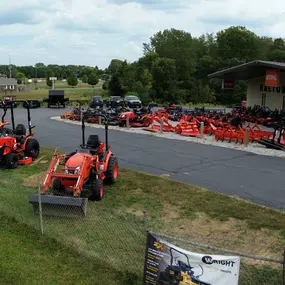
(56, 99)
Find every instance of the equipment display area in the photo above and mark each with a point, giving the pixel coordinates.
(265, 82)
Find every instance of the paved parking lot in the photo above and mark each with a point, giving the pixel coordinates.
(257, 178)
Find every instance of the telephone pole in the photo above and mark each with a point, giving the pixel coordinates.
(10, 67)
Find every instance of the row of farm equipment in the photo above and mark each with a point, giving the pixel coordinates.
(196, 123)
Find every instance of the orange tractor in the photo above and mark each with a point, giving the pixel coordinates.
(78, 176)
(17, 146)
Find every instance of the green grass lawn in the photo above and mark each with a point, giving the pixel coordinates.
(114, 229)
(39, 91)
(28, 258)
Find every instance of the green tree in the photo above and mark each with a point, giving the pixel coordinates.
(114, 66)
(85, 79)
(165, 79)
(49, 74)
(114, 85)
(93, 79)
(238, 42)
(72, 80)
(21, 78)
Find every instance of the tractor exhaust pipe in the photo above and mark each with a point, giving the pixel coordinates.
(59, 206)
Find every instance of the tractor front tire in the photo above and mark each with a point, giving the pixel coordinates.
(11, 161)
(32, 148)
(57, 188)
(112, 171)
(97, 190)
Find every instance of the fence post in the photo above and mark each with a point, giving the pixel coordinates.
(284, 267)
(40, 209)
(246, 137)
(128, 121)
(161, 125)
(81, 114)
(202, 129)
(100, 120)
(145, 220)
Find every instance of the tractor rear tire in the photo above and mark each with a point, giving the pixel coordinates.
(112, 171)
(32, 148)
(97, 190)
(11, 161)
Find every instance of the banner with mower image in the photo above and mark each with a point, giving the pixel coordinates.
(167, 264)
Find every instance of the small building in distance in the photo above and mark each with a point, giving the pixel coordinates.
(265, 82)
(7, 84)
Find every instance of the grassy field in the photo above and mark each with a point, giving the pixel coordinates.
(38, 91)
(28, 258)
(114, 229)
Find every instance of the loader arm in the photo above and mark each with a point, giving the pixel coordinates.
(52, 169)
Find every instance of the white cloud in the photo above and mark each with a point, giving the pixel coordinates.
(70, 32)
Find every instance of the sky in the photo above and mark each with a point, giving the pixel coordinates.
(92, 32)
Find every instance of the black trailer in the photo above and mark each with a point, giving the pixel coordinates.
(56, 99)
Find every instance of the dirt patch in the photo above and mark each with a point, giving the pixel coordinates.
(33, 181)
(232, 234)
(134, 210)
(170, 212)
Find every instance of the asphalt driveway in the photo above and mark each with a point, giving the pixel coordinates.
(257, 178)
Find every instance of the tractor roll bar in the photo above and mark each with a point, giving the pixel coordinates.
(84, 117)
(10, 104)
(5, 112)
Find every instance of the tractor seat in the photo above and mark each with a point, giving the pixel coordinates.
(93, 144)
(20, 133)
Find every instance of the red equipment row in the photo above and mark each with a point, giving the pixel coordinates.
(230, 133)
(188, 126)
(184, 127)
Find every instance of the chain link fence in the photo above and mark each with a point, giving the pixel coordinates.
(117, 239)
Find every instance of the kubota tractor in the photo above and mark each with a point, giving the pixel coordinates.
(17, 146)
(78, 176)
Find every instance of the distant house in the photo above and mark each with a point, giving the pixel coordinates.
(8, 84)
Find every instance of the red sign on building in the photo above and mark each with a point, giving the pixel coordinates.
(228, 84)
(272, 78)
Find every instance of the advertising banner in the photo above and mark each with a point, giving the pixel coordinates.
(272, 78)
(167, 264)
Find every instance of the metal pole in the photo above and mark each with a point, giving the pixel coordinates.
(52, 84)
(161, 125)
(40, 210)
(202, 129)
(284, 267)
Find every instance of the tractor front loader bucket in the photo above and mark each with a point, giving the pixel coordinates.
(59, 206)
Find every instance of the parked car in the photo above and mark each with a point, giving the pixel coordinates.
(133, 101)
(115, 101)
(96, 101)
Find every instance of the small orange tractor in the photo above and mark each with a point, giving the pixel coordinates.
(136, 119)
(17, 146)
(78, 176)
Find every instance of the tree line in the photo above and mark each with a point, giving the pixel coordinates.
(72, 73)
(174, 67)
